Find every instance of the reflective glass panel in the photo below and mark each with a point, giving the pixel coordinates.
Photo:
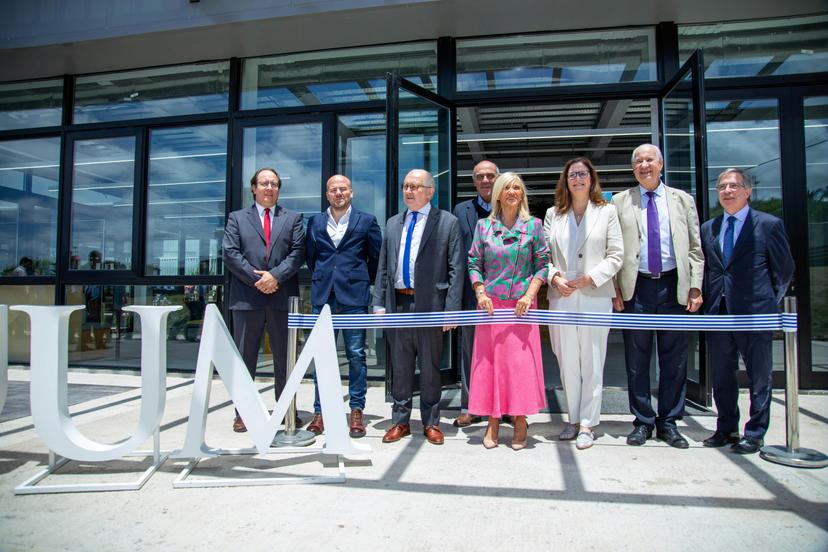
(816, 174)
(424, 144)
(335, 76)
(102, 199)
(104, 335)
(556, 59)
(31, 104)
(295, 151)
(19, 324)
(759, 48)
(361, 157)
(29, 172)
(185, 210)
(157, 92)
(679, 144)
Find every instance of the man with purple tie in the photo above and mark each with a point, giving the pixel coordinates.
(748, 270)
(661, 274)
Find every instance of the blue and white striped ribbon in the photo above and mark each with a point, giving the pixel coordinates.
(738, 322)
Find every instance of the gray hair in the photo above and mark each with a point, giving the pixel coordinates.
(747, 180)
(658, 152)
(428, 180)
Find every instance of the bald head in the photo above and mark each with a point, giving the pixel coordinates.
(484, 175)
(417, 189)
(339, 194)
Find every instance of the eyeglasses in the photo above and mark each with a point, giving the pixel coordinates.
(274, 185)
(575, 175)
(732, 185)
(413, 187)
(485, 176)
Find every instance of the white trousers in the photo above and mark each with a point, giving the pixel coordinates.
(581, 351)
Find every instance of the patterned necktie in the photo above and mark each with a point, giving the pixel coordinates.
(407, 253)
(653, 236)
(267, 228)
(727, 245)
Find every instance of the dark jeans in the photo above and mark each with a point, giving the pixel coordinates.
(656, 297)
(355, 351)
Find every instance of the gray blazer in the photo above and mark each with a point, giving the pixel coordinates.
(438, 272)
(243, 251)
(466, 215)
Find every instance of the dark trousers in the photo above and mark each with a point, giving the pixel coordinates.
(756, 351)
(466, 348)
(248, 329)
(656, 297)
(408, 345)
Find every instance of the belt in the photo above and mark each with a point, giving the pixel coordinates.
(404, 291)
(659, 275)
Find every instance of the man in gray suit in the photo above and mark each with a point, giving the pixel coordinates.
(468, 213)
(420, 270)
(263, 247)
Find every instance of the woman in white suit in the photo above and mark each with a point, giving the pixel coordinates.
(586, 250)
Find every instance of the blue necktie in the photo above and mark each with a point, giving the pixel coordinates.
(407, 253)
(727, 246)
(653, 237)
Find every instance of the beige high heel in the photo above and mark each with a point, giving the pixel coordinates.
(517, 444)
(490, 437)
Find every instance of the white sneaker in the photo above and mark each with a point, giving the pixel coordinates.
(570, 431)
(585, 440)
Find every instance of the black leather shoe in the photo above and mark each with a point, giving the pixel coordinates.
(720, 439)
(747, 445)
(639, 436)
(672, 437)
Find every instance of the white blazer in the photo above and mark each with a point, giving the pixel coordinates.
(599, 253)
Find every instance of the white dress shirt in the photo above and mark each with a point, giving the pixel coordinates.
(419, 226)
(668, 255)
(740, 216)
(336, 230)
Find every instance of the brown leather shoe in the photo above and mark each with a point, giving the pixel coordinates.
(238, 425)
(465, 420)
(397, 432)
(317, 425)
(357, 428)
(433, 435)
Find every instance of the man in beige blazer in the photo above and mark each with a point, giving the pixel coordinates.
(661, 274)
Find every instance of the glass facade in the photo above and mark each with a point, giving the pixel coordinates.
(361, 157)
(29, 206)
(31, 104)
(158, 92)
(759, 48)
(335, 76)
(556, 59)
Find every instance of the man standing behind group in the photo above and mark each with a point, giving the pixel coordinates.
(749, 267)
(468, 213)
(263, 247)
(420, 270)
(342, 249)
(661, 274)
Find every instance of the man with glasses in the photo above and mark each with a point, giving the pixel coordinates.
(661, 274)
(263, 248)
(342, 248)
(749, 267)
(468, 213)
(420, 270)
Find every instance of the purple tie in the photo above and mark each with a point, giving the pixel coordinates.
(653, 237)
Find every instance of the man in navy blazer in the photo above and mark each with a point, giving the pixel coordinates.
(263, 248)
(468, 213)
(749, 267)
(342, 249)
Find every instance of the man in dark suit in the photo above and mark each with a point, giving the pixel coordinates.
(420, 270)
(342, 248)
(661, 273)
(749, 267)
(263, 247)
(468, 213)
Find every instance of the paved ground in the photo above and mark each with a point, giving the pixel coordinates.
(416, 496)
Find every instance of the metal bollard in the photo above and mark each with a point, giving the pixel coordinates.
(290, 436)
(791, 454)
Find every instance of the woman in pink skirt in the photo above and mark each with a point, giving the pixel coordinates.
(507, 265)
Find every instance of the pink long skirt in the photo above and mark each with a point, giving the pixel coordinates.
(506, 369)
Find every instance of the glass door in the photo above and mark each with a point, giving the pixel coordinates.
(420, 134)
(683, 142)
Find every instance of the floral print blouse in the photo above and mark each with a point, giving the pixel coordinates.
(506, 260)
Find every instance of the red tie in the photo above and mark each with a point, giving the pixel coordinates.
(267, 228)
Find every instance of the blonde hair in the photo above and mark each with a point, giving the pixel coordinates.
(502, 181)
